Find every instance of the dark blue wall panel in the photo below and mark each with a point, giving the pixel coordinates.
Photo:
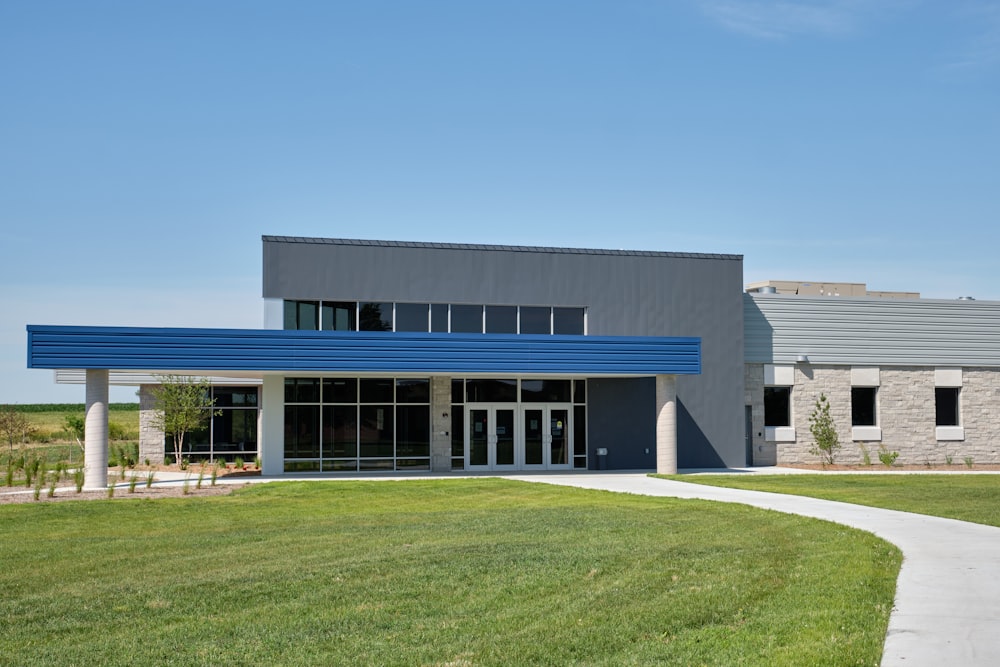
(195, 350)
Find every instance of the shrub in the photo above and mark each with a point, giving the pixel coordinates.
(149, 478)
(968, 461)
(238, 463)
(866, 456)
(133, 480)
(78, 478)
(886, 457)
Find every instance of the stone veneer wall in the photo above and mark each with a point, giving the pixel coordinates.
(906, 415)
(151, 441)
(440, 424)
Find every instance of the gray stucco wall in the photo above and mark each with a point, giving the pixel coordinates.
(625, 293)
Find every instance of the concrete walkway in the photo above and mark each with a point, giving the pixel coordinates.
(947, 608)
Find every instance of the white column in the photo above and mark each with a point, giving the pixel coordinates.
(272, 427)
(666, 424)
(95, 453)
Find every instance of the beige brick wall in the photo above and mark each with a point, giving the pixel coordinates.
(151, 444)
(906, 415)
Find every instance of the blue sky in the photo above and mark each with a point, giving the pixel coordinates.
(146, 146)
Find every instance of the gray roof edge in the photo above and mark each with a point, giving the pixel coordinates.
(501, 248)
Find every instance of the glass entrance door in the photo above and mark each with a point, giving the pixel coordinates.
(491, 442)
(545, 436)
(528, 436)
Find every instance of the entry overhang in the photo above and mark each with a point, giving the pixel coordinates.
(267, 350)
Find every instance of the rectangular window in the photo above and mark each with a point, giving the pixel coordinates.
(491, 391)
(439, 317)
(375, 317)
(536, 320)
(777, 404)
(301, 431)
(567, 321)
(377, 390)
(301, 390)
(340, 390)
(863, 410)
(466, 319)
(412, 317)
(501, 319)
(340, 431)
(301, 315)
(376, 429)
(545, 391)
(947, 405)
(339, 316)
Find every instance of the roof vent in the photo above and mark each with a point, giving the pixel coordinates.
(966, 298)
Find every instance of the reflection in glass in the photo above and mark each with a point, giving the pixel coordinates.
(339, 315)
(413, 430)
(376, 430)
(375, 317)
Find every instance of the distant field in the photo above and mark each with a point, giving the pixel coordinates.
(49, 420)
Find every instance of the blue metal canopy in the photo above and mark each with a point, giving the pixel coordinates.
(196, 350)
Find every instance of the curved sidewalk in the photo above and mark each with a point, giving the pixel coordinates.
(947, 607)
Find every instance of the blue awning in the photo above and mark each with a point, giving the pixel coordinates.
(266, 350)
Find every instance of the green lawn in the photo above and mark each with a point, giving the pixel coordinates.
(968, 496)
(444, 572)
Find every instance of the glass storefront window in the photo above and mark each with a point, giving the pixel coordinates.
(340, 390)
(361, 424)
(377, 390)
(491, 391)
(545, 391)
(413, 391)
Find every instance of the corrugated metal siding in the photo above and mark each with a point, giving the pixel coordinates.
(328, 351)
(871, 331)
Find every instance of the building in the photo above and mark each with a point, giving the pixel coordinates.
(437, 357)
(919, 377)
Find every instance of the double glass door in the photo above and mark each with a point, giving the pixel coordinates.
(518, 437)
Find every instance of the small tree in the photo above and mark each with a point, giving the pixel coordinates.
(181, 405)
(77, 426)
(826, 444)
(14, 426)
